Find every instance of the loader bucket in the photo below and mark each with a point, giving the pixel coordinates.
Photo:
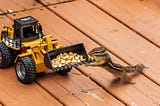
(76, 48)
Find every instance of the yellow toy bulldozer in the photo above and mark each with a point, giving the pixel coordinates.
(32, 52)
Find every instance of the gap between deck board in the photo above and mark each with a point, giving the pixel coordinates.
(78, 98)
(130, 26)
(2, 12)
(84, 33)
(100, 45)
(94, 40)
(111, 51)
(56, 3)
(28, 10)
(104, 90)
(102, 86)
(65, 19)
(125, 24)
(7, 98)
(62, 103)
(134, 30)
(50, 93)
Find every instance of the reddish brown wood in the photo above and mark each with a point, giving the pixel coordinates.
(141, 16)
(17, 5)
(4, 21)
(105, 30)
(14, 93)
(27, 5)
(152, 4)
(98, 74)
(53, 2)
(112, 34)
(48, 2)
(74, 88)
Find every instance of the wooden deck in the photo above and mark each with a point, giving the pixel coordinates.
(129, 29)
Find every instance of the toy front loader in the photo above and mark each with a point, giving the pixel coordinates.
(33, 52)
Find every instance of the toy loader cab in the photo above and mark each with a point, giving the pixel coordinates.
(27, 29)
(32, 52)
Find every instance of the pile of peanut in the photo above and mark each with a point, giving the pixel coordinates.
(66, 58)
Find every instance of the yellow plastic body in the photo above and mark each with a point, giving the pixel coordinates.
(10, 31)
(10, 37)
(36, 48)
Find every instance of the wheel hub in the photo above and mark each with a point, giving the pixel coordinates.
(20, 69)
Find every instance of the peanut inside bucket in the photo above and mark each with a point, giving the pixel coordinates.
(67, 58)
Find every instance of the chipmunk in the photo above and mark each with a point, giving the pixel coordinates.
(101, 58)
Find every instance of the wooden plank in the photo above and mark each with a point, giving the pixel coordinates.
(27, 4)
(4, 21)
(51, 2)
(152, 4)
(75, 88)
(78, 86)
(14, 93)
(135, 15)
(105, 30)
(98, 74)
(17, 5)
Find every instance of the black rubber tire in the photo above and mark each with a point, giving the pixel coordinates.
(25, 70)
(64, 72)
(6, 56)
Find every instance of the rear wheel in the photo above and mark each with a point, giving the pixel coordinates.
(64, 72)
(25, 70)
(6, 56)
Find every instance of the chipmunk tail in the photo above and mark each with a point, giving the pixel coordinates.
(136, 68)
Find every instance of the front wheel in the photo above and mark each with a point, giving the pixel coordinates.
(25, 70)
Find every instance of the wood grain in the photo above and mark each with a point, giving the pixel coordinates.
(14, 93)
(98, 74)
(49, 2)
(94, 23)
(105, 30)
(142, 16)
(110, 33)
(54, 2)
(17, 5)
(152, 4)
(74, 88)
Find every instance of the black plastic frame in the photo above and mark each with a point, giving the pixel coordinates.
(76, 48)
